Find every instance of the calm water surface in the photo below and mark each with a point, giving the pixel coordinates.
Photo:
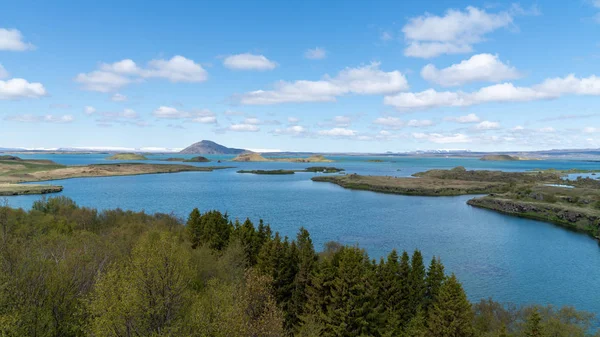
(507, 258)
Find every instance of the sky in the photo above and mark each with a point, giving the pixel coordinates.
(327, 76)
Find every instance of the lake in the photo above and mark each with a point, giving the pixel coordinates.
(494, 255)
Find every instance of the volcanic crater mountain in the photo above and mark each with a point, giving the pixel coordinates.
(210, 147)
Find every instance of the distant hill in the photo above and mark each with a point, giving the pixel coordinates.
(499, 157)
(209, 147)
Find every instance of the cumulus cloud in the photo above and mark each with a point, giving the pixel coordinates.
(470, 118)
(118, 98)
(294, 130)
(89, 110)
(487, 125)
(317, 53)
(439, 138)
(12, 40)
(28, 118)
(504, 92)
(453, 33)
(338, 132)
(113, 76)
(248, 61)
(366, 80)
(18, 88)
(198, 116)
(243, 127)
(478, 68)
(419, 123)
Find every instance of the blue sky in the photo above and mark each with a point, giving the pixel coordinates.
(301, 75)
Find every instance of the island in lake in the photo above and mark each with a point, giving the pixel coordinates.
(540, 195)
(315, 169)
(255, 157)
(14, 170)
(127, 156)
(198, 159)
(504, 157)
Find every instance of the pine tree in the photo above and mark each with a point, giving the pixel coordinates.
(533, 325)
(416, 326)
(434, 280)
(194, 227)
(417, 282)
(403, 306)
(451, 314)
(307, 259)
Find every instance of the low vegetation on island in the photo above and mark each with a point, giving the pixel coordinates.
(314, 169)
(542, 195)
(504, 157)
(71, 271)
(14, 171)
(198, 159)
(127, 156)
(255, 157)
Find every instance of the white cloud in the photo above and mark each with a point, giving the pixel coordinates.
(470, 118)
(390, 122)
(342, 121)
(419, 123)
(252, 120)
(118, 97)
(12, 40)
(89, 110)
(293, 120)
(315, 54)
(547, 129)
(18, 88)
(294, 130)
(102, 81)
(28, 118)
(248, 61)
(591, 129)
(487, 125)
(129, 113)
(504, 92)
(113, 76)
(198, 116)
(443, 139)
(366, 80)
(338, 132)
(456, 32)
(243, 128)
(478, 68)
(3, 72)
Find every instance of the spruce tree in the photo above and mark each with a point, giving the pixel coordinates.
(451, 314)
(307, 259)
(417, 282)
(533, 325)
(193, 228)
(403, 307)
(433, 281)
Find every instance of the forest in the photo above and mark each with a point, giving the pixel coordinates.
(67, 270)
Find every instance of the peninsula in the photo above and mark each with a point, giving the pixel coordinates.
(127, 156)
(540, 195)
(15, 170)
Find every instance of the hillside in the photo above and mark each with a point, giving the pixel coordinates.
(127, 156)
(209, 147)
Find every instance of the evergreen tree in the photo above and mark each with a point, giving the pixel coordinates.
(451, 314)
(417, 283)
(307, 259)
(194, 227)
(403, 306)
(434, 280)
(533, 325)
(416, 327)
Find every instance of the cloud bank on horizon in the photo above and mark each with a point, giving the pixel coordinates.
(504, 77)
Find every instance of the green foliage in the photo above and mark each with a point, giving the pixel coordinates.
(451, 313)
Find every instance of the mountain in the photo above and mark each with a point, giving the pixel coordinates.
(208, 147)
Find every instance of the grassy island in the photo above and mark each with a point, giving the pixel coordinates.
(198, 159)
(255, 157)
(16, 170)
(314, 169)
(540, 195)
(127, 156)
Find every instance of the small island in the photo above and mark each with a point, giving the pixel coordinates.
(314, 169)
(198, 159)
(127, 156)
(504, 157)
(256, 157)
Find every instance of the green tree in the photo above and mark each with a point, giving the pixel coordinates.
(433, 281)
(533, 325)
(451, 314)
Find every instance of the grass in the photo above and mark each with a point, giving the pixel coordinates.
(127, 156)
(18, 189)
(273, 172)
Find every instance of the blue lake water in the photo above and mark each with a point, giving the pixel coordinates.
(494, 255)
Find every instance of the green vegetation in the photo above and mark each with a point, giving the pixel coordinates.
(127, 156)
(255, 157)
(198, 159)
(499, 157)
(315, 169)
(72, 271)
(19, 189)
(272, 172)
